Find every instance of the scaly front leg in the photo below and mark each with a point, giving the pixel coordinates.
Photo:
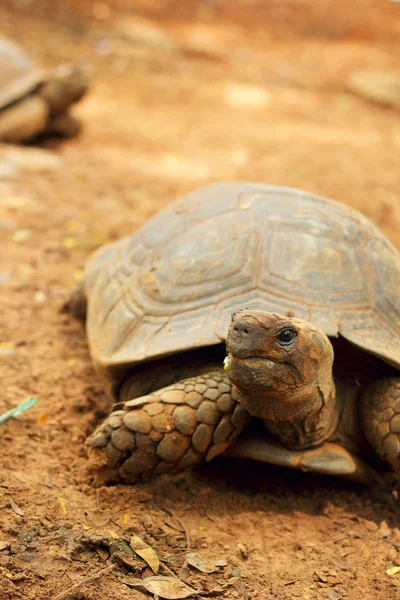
(171, 429)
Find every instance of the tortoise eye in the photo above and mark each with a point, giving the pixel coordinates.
(286, 337)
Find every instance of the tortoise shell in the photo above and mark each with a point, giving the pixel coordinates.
(173, 285)
(19, 76)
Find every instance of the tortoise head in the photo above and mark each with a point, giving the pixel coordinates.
(282, 365)
(66, 85)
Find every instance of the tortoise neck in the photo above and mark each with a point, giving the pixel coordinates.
(307, 418)
(312, 427)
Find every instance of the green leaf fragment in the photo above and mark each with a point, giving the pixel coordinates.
(268, 385)
(17, 410)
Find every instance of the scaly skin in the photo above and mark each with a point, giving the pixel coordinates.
(171, 429)
(380, 417)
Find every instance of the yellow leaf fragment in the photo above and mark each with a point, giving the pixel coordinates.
(72, 362)
(42, 418)
(86, 527)
(7, 345)
(114, 535)
(70, 243)
(62, 505)
(127, 516)
(393, 571)
(146, 552)
(78, 274)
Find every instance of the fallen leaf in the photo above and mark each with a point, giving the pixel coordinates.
(16, 508)
(70, 243)
(146, 552)
(21, 235)
(4, 545)
(200, 563)
(167, 587)
(393, 571)
(114, 535)
(127, 516)
(86, 527)
(62, 505)
(42, 418)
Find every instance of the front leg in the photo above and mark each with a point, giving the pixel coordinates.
(380, 418)
(172, 429)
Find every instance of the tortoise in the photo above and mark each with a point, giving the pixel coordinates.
(298, 293)
(33, 100)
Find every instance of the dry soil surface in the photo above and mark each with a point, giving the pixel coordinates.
(177, 103)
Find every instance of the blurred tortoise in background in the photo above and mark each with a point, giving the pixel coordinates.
(34, 101)
(313, 352)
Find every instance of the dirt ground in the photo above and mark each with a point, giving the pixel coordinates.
(214, 91)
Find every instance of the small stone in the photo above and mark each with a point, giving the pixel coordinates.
(172, 447)
(223, 430)
(138, 420)
(155, 408)
(207, 413)
(189, 388)
(202, 437)
(225, 403)
(173, 397)
(163, 422)
(98, 439)
(194, 399)
(113, 454)
(190, 459)
(123, 439)
(240, 417)
(214, 450)
(114, 421)
(212, 394)
(138, 402)
(185, 419)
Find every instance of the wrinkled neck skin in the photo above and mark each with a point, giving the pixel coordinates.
(302, 418)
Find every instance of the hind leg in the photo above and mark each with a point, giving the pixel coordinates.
(380, 418)
(171, 429)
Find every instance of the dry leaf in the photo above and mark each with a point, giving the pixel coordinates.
(16, 508)
(62, 505)
(114, 535)
(86, 527)
(42, 418)
(146, 552)
(393, 571)
(127, 516)
(200, 563)
(167, 587)
(4, 545)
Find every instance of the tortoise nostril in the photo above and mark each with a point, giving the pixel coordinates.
(245, 331)
(235, 329)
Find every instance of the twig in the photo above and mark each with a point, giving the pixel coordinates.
(186, 532)
(181, 523)
(74, 587)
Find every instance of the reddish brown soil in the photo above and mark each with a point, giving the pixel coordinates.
(223, 101)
